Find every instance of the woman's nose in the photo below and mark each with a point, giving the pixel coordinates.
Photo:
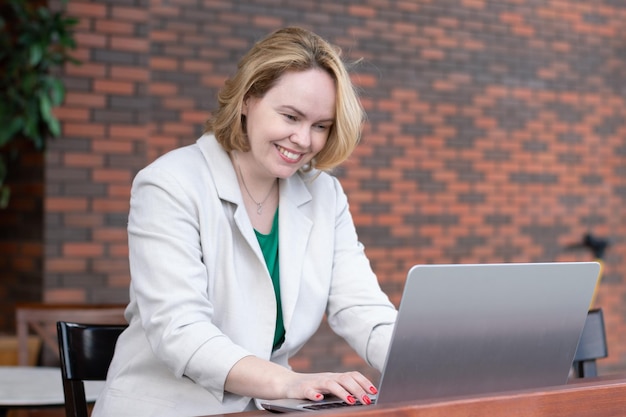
(301, 137)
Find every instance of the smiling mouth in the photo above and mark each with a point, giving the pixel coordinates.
(291, 156)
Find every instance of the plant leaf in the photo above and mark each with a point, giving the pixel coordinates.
(5, 196)
(36, 53)
(57, 91)
(10, 129)
(5, 191)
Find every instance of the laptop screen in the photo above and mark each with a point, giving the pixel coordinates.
(471, 329)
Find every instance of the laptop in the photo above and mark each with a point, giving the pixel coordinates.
(471, 329)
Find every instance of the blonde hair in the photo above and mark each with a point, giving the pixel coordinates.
(289, 49)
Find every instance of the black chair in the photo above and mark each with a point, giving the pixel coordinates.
(592, 345)
(86, 351)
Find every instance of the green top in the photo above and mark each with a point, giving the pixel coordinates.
(269, 247)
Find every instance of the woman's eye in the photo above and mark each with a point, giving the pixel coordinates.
(290, 117)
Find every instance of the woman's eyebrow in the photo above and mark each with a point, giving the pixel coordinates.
(293, 109)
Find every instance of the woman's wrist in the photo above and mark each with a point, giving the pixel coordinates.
(259, 378)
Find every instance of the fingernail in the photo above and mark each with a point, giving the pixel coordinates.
(350, 399)
(373, 390)
(366, 400)
(318, 396)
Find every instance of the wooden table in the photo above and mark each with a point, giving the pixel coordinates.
(592, 397)
(35, 386)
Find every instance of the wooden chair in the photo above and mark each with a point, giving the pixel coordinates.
(592, 345)
(41, 318)
(86, 351)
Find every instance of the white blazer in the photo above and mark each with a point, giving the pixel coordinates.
(201, 297)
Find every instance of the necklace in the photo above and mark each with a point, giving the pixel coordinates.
(259, 205)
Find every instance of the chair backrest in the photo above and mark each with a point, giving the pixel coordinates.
(86, 351)
(592, 345)
(40, 320)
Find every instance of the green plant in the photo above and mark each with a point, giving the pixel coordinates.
(33, 41)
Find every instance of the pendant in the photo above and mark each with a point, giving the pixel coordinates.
(259, 208)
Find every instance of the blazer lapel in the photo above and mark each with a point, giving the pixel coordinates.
(294, 228)
(227, 188)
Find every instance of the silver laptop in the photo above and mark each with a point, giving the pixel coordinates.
(481, 328)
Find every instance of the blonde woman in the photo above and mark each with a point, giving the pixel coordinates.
(242, 242)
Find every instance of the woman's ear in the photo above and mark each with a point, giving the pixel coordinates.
(244, 106)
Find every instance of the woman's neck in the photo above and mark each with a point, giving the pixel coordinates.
(260, 196)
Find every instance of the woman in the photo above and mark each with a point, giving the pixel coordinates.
(240, 243)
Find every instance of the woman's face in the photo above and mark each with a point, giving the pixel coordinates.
(290, 124)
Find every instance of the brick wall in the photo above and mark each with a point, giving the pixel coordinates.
(106, 119)
(21, 232)
(496, 133)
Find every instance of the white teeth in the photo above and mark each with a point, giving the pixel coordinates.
(288, 154)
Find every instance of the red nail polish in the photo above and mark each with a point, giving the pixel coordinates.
(366, 400)
(318, 396)
(373, 390)
(350, 399)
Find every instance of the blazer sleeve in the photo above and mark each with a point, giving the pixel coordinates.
(358, 310)
(169, 279)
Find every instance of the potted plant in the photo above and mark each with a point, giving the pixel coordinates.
(33, 42)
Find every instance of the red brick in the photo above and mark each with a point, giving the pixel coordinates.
(118, 280)
(132, 44)
(213, 81)
(109, 146)
(178, 128)
(163, 36)
(364, 80)
(196, 66)
(83, 129)
(66, 265)
(65, 295)
(128, 131)
(87, 70)
(129, 73)
(118, 190)
(110, 235)
(85, 219)
(74, 114)
(166, 64)
(24, 264)
(111, 175)
(198, 117)
(83, 249)
(111, 205)
(88, 39)
(66, 204)
(111, 265)
(114, 87)
(362, 11)
(85, 100)
(163, 89)
(130, 13)
(160, 9)
(260, 21)
(430, 53)
(83, 160)
(86, 9)
(114, 27)
(177, 103)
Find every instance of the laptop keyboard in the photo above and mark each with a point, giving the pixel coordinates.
(331, 405)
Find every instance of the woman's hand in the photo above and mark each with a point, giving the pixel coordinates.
(258, 378)
(349, 386)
